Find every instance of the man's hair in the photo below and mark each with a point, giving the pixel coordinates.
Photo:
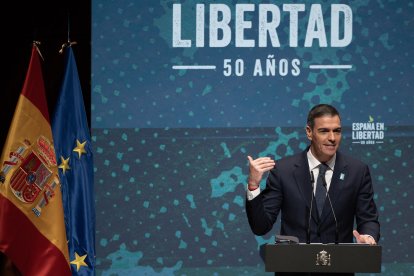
(321, 110)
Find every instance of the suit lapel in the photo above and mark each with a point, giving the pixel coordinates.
(303, 181)
(337, 184)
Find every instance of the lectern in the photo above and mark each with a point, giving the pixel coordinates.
(345, 258)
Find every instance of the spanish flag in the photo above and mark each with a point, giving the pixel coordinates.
(32, 229)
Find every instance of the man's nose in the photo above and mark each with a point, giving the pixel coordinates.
(331, 136)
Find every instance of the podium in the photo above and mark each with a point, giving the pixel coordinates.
(339, 258)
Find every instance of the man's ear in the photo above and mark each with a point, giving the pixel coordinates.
(309, 133)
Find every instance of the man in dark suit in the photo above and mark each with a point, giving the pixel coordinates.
(290, 183)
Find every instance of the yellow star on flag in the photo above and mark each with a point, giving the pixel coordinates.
(80, 148)
(79, 261)
(64, 165)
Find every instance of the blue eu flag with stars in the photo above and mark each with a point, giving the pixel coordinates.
(73, 149)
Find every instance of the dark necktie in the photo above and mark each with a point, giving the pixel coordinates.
(320, 193)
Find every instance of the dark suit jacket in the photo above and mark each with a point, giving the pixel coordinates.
(289, 191)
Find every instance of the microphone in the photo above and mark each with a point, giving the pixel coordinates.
(333, 212)
(310, 209)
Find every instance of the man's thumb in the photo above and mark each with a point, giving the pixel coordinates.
(356, 234)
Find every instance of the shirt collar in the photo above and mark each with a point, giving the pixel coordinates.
(313, 162)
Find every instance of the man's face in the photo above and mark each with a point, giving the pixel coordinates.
(325, 137)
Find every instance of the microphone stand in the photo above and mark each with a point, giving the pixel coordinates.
(310, 209)
(333, 212)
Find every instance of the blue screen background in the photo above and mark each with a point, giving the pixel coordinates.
(171, 145)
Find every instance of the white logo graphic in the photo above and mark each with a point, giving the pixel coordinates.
(368, 133)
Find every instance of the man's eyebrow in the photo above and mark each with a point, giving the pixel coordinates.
(327, 129)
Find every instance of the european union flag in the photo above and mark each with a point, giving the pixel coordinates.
(74, 158)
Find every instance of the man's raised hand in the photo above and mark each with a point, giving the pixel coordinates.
(257, 167)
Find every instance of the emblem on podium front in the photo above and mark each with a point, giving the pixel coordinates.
(323, 258)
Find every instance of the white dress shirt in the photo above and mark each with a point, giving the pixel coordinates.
(313, 168)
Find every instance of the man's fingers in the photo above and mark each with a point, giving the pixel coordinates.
(261, 164)
(260, 160)
(371, 240)
(263, 160)
(363, 238)
(267, 167)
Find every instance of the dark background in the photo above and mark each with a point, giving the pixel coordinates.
(22, 22)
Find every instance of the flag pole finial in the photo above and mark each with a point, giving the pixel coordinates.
(36, 44)
(67, 44)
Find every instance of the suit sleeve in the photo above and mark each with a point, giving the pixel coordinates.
(366, 212)
(262, 211)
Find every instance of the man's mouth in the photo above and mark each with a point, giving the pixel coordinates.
(330, 146)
